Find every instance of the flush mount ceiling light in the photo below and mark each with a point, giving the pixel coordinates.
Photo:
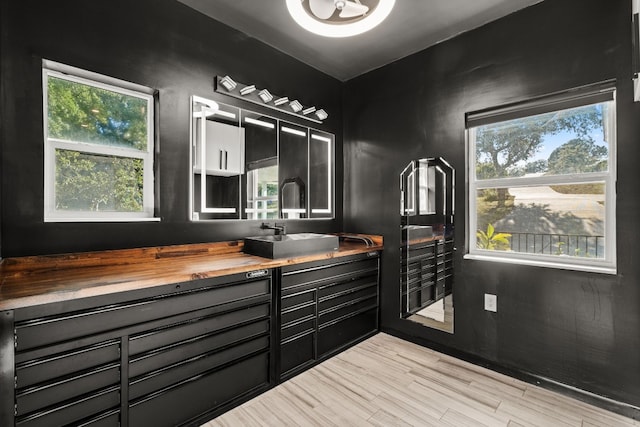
(339, 18)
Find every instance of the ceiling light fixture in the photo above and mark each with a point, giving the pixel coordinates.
(339, 18)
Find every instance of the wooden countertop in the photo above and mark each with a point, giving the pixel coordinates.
(35, 280)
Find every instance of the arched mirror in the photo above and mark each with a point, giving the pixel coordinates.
(426, 267)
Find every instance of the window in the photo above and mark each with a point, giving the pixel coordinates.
(98, 145)
(542, 181)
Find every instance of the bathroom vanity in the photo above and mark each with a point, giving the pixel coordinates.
(172, 335)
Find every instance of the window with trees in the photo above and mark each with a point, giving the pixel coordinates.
(98, 147)
(542, 181)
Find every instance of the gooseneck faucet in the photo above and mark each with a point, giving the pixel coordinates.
(279, 229)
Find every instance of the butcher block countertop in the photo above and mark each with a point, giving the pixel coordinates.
(35, 280)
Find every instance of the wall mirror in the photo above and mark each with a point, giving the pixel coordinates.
(426, 265)
(246, 165)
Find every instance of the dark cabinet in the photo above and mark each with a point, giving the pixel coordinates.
(427, 277)
(162, 356)
(325, 306)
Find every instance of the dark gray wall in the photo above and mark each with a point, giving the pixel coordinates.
(161, 44)
(580, 329)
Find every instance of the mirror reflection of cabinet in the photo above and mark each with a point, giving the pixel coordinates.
(427, 210)
(257, 167)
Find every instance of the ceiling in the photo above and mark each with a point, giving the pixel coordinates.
(413, 25)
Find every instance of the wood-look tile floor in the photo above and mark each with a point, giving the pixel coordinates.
(385, 381)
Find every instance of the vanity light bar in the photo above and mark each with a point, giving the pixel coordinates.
(261, 96)
(321, 114)
(293, 131)
(259, 122)
(281, 101)
(320, 138)
(295, 105)
(308, 110)
(247, 90)
(228, 83)
(265, 95)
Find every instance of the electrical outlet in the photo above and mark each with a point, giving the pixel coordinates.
(491, 302)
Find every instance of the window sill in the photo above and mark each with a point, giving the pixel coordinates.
(154, 219)
(543, 263)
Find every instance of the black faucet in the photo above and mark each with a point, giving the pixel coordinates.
(280, 229)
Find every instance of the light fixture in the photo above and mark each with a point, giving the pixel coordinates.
(228, 83)
(259, 122)
(265, 95)
(225, 114)
(308, 110)
(262, 96)
(320, 17)
(247, 90)
(293, 131)
(295, 106)
(320, 138)
(281, 101)
(321, 114)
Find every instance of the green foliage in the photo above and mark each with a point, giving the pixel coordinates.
(92, 182)
(490, 207)
(578, 156)
(79, 112)
(86, 182)
(536, 166)
(493, 241)
(500, 147)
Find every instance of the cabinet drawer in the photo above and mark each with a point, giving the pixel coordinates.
(200, 394)
(193, 348)
(41, 396)
(343, 333)
(297, 353)
(345, 300)
(329, 273)
(298, 314)
(298, 328)
(194, 328)
(40, 332)
(302, 298)
(58, 365)
(347, 286)
(184, 370)
(343, 312)
(71, 412)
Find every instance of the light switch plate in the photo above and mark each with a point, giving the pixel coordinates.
(491, 302)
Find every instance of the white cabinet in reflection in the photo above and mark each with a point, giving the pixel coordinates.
(223, 145)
